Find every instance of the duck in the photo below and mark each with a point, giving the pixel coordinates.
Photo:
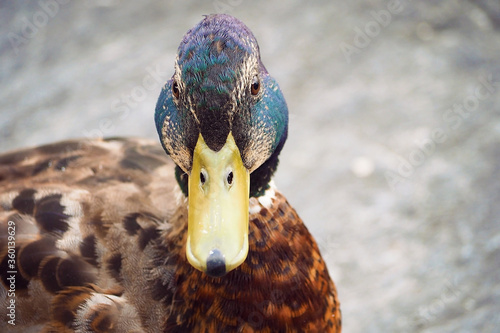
(186, 235)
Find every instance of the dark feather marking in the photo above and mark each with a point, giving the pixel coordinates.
(130, 223)
(114, 266)
(74, 272)
(63, 163)
(146, 235)
(42, 166)
(101, 229)
(97, 180)
(159, 292)
(281, 211)
(32, 254)
(48, 274)
(163, 287)
(49, 213)
(115, 138)
(88, 249)
(24, 202)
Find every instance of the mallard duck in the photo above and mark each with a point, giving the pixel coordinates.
(114, 235)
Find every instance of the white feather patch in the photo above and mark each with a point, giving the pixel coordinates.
(71, 201)
(265, 200)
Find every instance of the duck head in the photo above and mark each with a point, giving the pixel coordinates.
(223, 120)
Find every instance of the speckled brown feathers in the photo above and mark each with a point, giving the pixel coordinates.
(283, 286)
(100, 230)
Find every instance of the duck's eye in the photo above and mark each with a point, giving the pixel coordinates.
(175, 89)
(203, 177)
(255, 87)
(230, 178)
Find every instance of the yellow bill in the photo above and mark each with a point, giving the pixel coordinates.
(219, 186)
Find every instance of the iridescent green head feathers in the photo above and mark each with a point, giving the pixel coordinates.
(220, 86)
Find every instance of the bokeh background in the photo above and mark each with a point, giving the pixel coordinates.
(393, 156)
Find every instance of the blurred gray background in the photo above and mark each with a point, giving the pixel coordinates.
(393, 156)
